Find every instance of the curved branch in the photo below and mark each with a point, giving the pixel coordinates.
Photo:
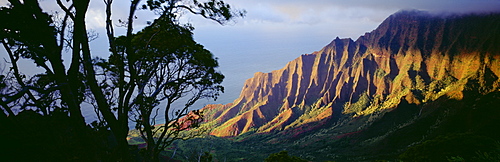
(17, 73)
(200, 13)
(65, 9)
(63, 29)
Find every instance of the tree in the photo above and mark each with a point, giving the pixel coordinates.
(168, 65)
(206, 157)
(29, 33)
(143, 69)
(163, 63)
(36, 38)
(283, 156)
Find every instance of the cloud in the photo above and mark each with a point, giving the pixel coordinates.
(275, 31)
(96, 18)
(3, 2)
(303, 11)
(435, 5)
(347, 18)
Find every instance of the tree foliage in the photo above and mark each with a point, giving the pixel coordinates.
(169, 67)
(450, 147)
(146, 72)
(283, 156)
(37, 39)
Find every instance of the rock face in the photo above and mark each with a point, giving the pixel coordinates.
(412, 56)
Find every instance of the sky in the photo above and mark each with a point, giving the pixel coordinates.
(274, 32)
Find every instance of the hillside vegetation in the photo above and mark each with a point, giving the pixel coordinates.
(417, 88)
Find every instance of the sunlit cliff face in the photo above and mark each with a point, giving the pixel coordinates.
(411, 56)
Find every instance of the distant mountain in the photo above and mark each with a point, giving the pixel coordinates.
(420, 87)
(412, 56)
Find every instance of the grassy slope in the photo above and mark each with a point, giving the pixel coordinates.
(445, 128)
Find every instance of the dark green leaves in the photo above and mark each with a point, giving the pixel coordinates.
(215, 10)
(28, 27)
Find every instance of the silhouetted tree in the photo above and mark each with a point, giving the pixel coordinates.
(137, 76)
(162, 63)
(36, 38)
(169, 66)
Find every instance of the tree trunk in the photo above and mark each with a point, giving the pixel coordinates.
(120, 133)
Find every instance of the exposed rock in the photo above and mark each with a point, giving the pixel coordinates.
(411, 56)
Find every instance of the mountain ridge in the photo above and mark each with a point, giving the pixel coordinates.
(411, 56)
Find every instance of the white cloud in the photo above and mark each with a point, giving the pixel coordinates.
(96, 18)
(276, 31)
(4, 2)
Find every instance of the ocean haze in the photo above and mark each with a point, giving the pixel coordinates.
(240, 57)
(275, 32)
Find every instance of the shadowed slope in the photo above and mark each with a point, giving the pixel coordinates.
(411, 56)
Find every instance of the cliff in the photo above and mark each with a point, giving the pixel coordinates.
(412, 56)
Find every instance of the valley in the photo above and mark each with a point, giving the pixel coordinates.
(420, 87)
